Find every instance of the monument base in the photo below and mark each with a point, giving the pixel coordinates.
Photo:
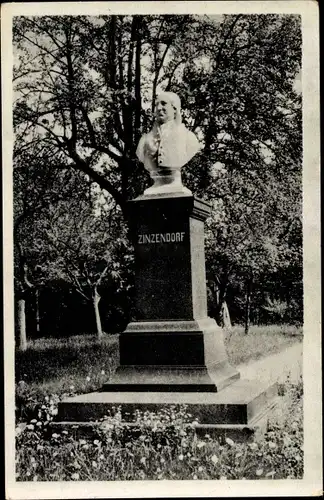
(186, 356)
(243, 405)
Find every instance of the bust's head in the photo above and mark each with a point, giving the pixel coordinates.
(167, 107)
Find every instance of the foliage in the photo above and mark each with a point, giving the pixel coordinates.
(84, 93)
(162, 445)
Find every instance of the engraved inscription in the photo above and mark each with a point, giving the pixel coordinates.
(160, 238)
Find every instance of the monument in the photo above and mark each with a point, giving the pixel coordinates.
(172, 353)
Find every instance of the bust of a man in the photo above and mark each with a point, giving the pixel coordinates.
(167, 147)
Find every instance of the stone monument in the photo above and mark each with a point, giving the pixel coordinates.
(172, 353)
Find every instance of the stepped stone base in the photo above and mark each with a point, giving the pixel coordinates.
(242, 403)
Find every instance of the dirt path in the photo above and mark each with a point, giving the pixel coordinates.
(276, 367)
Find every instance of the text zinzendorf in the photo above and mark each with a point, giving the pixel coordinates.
(160, 238)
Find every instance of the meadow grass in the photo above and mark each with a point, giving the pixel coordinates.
(261, 341)
(55, 367)
(165, 447)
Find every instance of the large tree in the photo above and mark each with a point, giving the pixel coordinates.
(85, 88)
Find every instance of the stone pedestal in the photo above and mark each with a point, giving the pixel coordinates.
(172, 345)
(172, 353)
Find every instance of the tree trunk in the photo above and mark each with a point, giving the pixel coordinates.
(96, 299)
(247, 305)
(22, 325)
(37, 311)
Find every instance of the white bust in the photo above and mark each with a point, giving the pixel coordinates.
(167, 147)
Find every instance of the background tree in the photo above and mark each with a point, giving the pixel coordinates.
(87, 246)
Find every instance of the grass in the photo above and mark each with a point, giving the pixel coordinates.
(53, 368)
(261, 341)
(165, 447)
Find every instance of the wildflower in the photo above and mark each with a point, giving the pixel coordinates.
(214, 459)
(82, 442)
(65, 432)
(39, 424)
(30, 427)
(33, 421)
(75, 476)
(272, 445)
(195, 476)
(253, 446)
(18, 430)
(229, 441)
(101, 457)
(96, 442)
(222, 478)
(94, 464)
(183, 433)
(270, 474)
(201, 444)
(200, 468)
(103, 372)
(143, 460)
(46, 398)
(88, 379)
(162, 460)
(55, 436)
(72, 387)
(76, 465)
(180, 457)
(259, 472)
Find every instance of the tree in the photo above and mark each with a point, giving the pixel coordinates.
(84, 243)
(85, 88)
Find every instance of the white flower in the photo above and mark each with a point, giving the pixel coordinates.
(180, 457)
(143, 460)
(200, 468)
(214, 459)
(162, 460)
(223, 478)
(94, 464)
(272, 445)
(82, 442)
(54, 411)
(201, 444)
(33, 421)
(72, 387)
(39, 424)
(259, 472)
(96, 442)
(75, 476)
(229, 441)
(55, 436)
(88, 379)
(30, 427)
(253, 446)
(103, 372)
(195, 477)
